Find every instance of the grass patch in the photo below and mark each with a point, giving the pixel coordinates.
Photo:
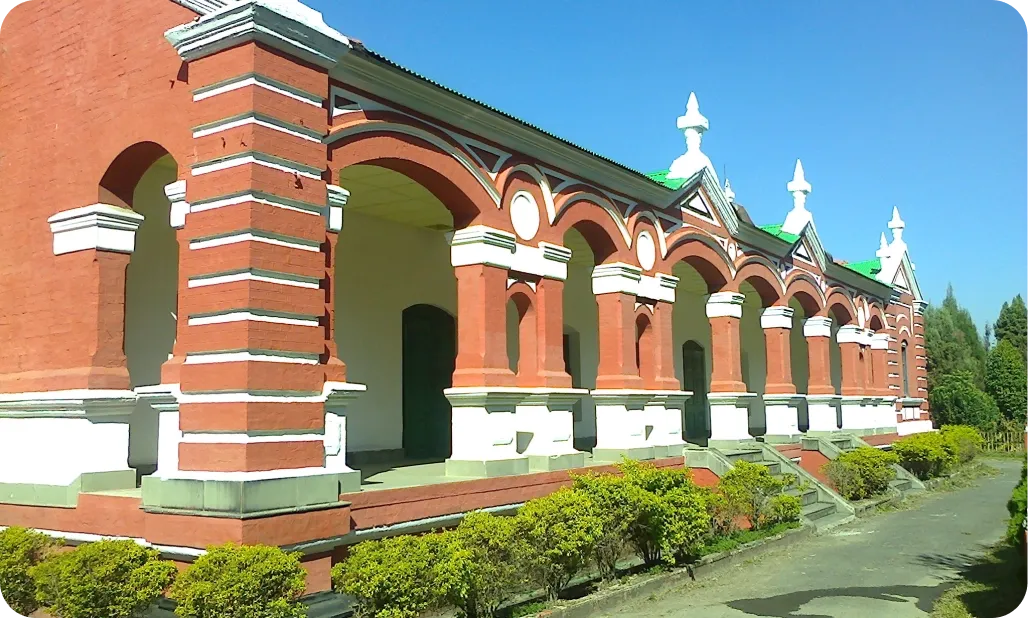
(1020, 455)
(967, 476)
(530, 609)
(740, 538)
(992, 587)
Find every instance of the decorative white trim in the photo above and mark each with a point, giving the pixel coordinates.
(480, 244)
(524, 215)
(242, 122)
(249, 316)
(102, 227)
(199, 282)
(817, 327)
(337, 199)
(252, 80)
(849, 333)
(725, 304)
(249, 237)
(68, 403)
(880, 341)
(546, 260)
(621, 278)
(176, 194)
(777, 317)
(243, 198)
(246, 357)
(217, 166)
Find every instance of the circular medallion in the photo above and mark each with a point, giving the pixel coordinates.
(645, 250)
(524, 215)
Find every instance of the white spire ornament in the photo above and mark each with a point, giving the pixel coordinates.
(799, 216)
(896, 225)
(883, 247)
(729, 194)
(693, 124)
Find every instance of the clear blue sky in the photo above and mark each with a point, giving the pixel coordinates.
(920, 104)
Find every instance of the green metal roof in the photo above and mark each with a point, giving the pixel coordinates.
(868, 268)
(662, 179)
(776, 231)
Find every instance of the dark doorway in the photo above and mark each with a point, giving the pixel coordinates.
(694, 373)
(429, 353)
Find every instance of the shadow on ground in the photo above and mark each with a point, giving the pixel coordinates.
(788, 605)
(992, 585)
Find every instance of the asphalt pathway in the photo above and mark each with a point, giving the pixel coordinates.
(893, 564)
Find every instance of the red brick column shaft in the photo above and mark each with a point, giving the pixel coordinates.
(818, 332)
(662, 374)
(482, 327)
(617, 366)
(549, 305)
(777, 325)
(724, 310)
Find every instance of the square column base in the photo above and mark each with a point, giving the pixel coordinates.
(822, 414)
(781, 413)
(545, 424)
(485, 432)
(664, 412)
(730, 417)
(857, 412)
(245, 495)
(614, 455)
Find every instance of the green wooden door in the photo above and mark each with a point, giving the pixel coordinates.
(694, 372)
(429, 352)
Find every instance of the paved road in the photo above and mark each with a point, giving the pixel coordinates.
(892, 564)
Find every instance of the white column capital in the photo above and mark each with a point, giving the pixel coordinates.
(619, 277)
(777, 317)
(725, 304)
(880, 341)
(337, 198)
(850, 333)
(102, 227)
(479, 244)
(919, 307)
(176, 194)
(817, 327)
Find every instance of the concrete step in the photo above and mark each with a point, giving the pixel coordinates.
(817, 510)
(774, 467)
(806, 497)
(751, 455)
(831, 521)
(900, 484)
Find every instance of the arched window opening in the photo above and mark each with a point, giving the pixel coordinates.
(903, 360)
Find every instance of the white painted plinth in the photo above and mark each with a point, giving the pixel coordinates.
(781, 413)
(663, 414)
(822, 412)
(545, 416)
(484, 423)
(909, 427)
(857, 413)
(621, 421)
(163, 398)
(337, 396)
(886, 415)
(730, 416)
(54, 437)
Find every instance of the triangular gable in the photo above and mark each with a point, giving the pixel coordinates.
(905, 280)
(802, 252)
(709, 205)
(809, 248)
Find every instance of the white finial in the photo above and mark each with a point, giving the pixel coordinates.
(896, 225)
(728, 191)
(799, 216)
(883, 247)
(693, 124)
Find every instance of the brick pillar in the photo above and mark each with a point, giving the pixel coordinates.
(919, 358)
(661, 375)
(256, 255)
(880, 365)
(724, 309)
(849, 338)
(549, 306)
(777, 325)
(617, 367)
(818, 332)
(482, 327)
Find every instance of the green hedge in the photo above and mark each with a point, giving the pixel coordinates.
(659, 514)
(934, 453)
(20, 550)
(1017, 506)
(862, 473)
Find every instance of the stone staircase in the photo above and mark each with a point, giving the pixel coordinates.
(835, 444)
(821, 508)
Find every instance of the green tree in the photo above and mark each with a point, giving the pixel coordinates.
(952, 342)
(1006, 380)
(988, 337)
(1012, 324)
(956, 400)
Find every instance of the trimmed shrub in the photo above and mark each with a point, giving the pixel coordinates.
(925, 455)
(861, 473)
(963, 441)
(20, 550)
(673, 513)
(561, 531)
(746, 491)
(1017, 506)
(782, 509)
(233, 581)
(105, 579)
(481, 564)
(392, 577)
(619, 505)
